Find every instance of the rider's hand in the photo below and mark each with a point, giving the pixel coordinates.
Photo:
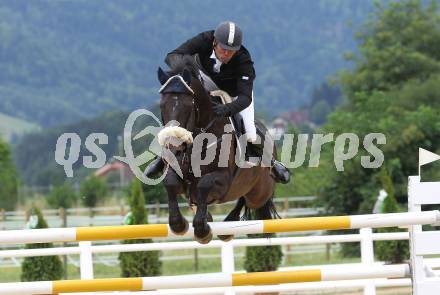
(221, 110)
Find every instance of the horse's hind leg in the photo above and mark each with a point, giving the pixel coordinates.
(234, 215)
(178, 224)
(267, 211)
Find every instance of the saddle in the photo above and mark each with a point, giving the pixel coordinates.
(252, 150)
(220, 96)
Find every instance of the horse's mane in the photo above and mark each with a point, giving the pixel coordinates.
(187, 62)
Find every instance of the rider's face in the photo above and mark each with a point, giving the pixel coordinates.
(224, 55)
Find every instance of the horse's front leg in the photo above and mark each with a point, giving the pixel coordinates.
(172, 183)
(211, 183)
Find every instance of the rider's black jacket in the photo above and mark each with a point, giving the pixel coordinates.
(236, 77)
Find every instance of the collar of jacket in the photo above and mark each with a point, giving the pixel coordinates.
(217, 64)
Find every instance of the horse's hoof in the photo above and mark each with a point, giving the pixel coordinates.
(180, 229)
(206, 239)
(226, 238)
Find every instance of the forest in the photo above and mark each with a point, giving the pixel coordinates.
(64, 61)
(391, 87)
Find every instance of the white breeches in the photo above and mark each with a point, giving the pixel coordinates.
(248, 114)
(249, 121)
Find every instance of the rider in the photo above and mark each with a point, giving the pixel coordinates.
(229, 65)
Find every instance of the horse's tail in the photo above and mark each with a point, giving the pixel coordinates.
(272, 208)
(267, 211)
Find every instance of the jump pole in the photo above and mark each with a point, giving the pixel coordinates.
(204, 280)
(123, 232)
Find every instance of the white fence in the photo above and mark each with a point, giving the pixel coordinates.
(85, 250)
(425, 277)
(99, 216)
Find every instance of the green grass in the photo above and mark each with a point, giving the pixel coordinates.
(11, 125)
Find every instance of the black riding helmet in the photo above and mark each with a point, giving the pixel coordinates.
(228, 35)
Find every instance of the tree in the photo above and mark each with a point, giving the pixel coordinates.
(325, 99)
(390, 251)
(398, 44)
(393, 90)
(404, 109)
(44, 268)
(154, 193)
(8, 178)
(62, 196)
(319, 112)
(138, 264)
(92, 190)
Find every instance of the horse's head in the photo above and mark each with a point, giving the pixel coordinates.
(184, 103)
(177, 101)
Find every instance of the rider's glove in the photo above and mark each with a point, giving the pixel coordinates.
(221, 110)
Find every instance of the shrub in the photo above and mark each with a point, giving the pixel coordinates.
(44, 268)
(262, 258)
(138, 264)
(92, 190)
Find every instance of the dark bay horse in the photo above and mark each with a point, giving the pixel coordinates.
(184, 100)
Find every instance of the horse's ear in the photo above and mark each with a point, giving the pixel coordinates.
(186, 75)
(162, 76)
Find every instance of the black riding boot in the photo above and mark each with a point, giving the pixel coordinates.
(154, 167)
(279, 172)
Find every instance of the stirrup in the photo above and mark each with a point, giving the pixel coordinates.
(250, 153)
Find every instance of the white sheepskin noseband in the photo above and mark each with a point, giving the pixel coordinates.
(176, 132)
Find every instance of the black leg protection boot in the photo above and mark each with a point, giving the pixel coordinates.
(154, 167)
(279, 172)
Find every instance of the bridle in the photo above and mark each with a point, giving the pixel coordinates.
(196, 108)
(186, 154)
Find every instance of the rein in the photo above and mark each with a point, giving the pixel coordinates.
(186, 155)
(198, 130)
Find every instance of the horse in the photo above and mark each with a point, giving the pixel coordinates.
(183, 99)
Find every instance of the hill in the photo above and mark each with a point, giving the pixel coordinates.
(34, 154)
(11, 128)
(63, 61)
